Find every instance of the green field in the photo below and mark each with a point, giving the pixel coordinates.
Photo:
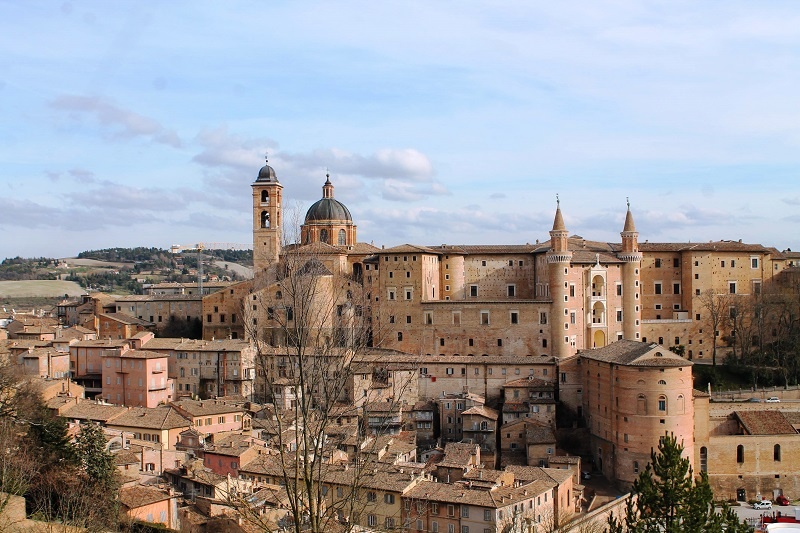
(39, 288)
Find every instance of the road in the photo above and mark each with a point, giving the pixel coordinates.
(753, 516)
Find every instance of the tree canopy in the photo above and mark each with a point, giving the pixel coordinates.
(668, 498)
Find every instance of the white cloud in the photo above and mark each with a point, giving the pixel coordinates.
(120, 123)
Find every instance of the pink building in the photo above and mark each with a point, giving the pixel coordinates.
(136, 378)
(46, 363)
(86, 362)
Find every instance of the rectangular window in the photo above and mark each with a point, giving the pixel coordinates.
(435, 526)
(572, 317)
(487, 515)
(451, 510)
(456, 318)
(465, 511)
(754, 262)
(619, 289)
(676, 262)
(428, 317)
(572, 290)
(511, 290)
(514, 317)
(542, 317)
(485, 317)
(732, 287)
(473, 291)
(658, 263)
(676, 288)
(658, 288)
(756, 287)
(619, 315)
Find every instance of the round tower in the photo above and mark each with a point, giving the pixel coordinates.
(267, 197)
(631, 279)
(558, 261)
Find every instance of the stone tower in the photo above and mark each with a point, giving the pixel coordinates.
(558, 264)
(267, 238)
(631, 280)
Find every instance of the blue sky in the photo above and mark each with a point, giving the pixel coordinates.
(144, 123)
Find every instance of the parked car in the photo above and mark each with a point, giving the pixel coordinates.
(754, 400)
(782, 500)
(773, 399)
(763, 504)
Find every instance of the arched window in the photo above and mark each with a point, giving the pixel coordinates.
(636, 467)
(681, 404)
(264, 219)
(662, 382)
(776, 452)
(662, 403)
(704, 459)
(342, 237)
(740, 454)
(641, 405)
(265, 197)
(323, 236)
(399, 335)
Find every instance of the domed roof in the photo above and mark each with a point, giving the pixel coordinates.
(267, 174)
(328, 208)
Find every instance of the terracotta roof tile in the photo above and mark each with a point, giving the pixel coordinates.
(139, 496)
(151, 418)
(765, 423)
(633, 353)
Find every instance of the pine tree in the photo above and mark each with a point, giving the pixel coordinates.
(666, 498)
(97, 461)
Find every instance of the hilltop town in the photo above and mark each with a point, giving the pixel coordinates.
(458, 388)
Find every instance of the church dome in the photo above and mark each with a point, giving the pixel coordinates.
(267, 175)
(328, 208)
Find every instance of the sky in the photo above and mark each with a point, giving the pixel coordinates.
(143, 123)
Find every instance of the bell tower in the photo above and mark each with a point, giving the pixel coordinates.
(267, 197)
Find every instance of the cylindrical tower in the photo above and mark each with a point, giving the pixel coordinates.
(558, 261)
(631, 280)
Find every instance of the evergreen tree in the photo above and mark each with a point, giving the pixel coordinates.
(96, 460)
(666, 498)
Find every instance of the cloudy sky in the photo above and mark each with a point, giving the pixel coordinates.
(144, 123)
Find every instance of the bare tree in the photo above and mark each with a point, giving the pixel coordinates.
(717, 311)
(309, 320)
